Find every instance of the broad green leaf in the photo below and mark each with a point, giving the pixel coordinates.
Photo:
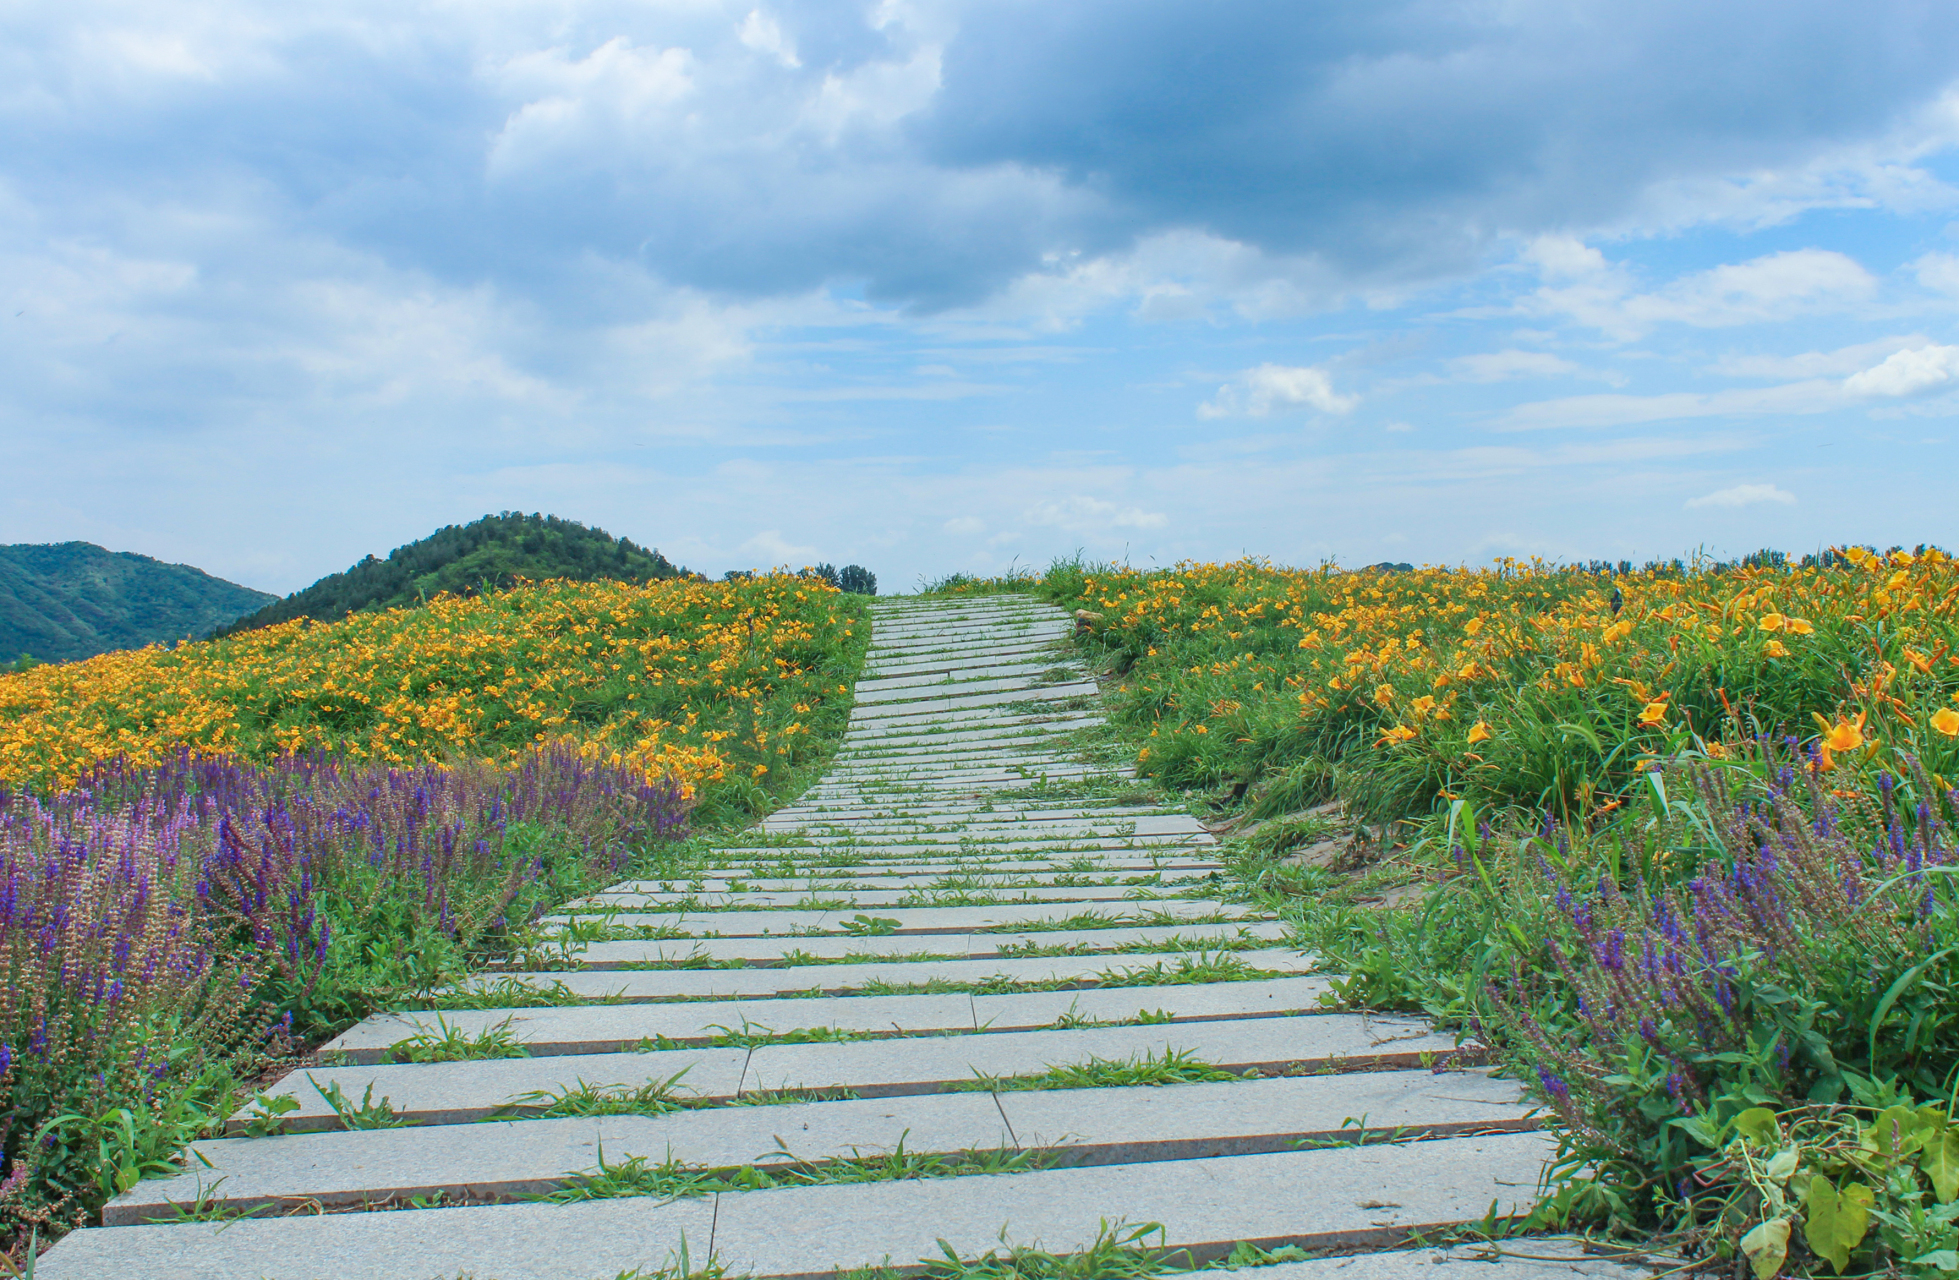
(1941, 1163)
(1782, 1165)
(1897, 1132)
(1836, 1220)
(1766, 1246)
(1938, 1260)
(1758, 1125)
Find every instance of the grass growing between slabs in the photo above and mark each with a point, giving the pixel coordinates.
(265, 838)
(1678, 843)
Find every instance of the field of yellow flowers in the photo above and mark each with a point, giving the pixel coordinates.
(721, 686)
(1525, 684)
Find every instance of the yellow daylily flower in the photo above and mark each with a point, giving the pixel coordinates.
(1776, 649)
(1395, 736)
(1384, 694)
(1480, 732)
(1772, 622)
(1655, 713)
(1800, 627)
(1946, 721)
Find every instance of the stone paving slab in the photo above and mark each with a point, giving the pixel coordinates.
(866, 898)
(924, 710)
(528, 1157)
(968, 810)
(492, 1242)
(1198, 1121)
(935, 674)
(442, 1093)
(729, 924)
(611, 955)
(953, 844)
(681, 984)
(586, 1029)
(1517, 1258)
(767, 872)
(932, 879)
(1364, 1195)
(1010, 824)
(990, 718)
(928, 1064)
(830, 864)
(932, 688)
(1073, 1128)
(967, 729)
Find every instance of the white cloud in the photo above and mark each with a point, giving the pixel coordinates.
(1080, 513)
(1776, 286)
(1907, 373)
(777, 550)
(1814, 396)
(1938, 271)
(764, 35)
(1743, 495)
(1501, 366)
(965, 526)
(1814, 364)
(1257, 392)
(587, 106)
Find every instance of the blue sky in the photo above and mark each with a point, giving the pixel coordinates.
(943, 286)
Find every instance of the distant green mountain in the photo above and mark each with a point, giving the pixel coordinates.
(486, 555)
(66, 600)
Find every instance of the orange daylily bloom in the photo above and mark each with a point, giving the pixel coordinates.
(1653, 714)
(1772, 622)
(1480, 731)
(1844, 735)
(1776, 649)
(1399, 734)
(1800, 627)
(1384, 694)
(1946, 721)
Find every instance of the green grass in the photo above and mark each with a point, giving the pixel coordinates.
(1176, 1066)
(451, 1044)
(638, 1176)
(651, 1098)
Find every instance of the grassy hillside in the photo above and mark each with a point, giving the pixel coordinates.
(721, 686)
(249, 843)
(1677, 844)
(485, 555)
(66, 600)
(1527, 685)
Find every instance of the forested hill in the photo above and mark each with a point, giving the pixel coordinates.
(66, 600)
(485, 555)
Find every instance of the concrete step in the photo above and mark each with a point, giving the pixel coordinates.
(975, 946)
(585, 1029)
(840, 979)
(1370, 1195)
(1067, 1128)
(913, 897)
(731, 924)
(457, 1092)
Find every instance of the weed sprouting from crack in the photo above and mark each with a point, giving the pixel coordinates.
(452, 1044)
(652, 1098)
(1176, 1066)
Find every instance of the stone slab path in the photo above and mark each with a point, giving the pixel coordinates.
(965, 945)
